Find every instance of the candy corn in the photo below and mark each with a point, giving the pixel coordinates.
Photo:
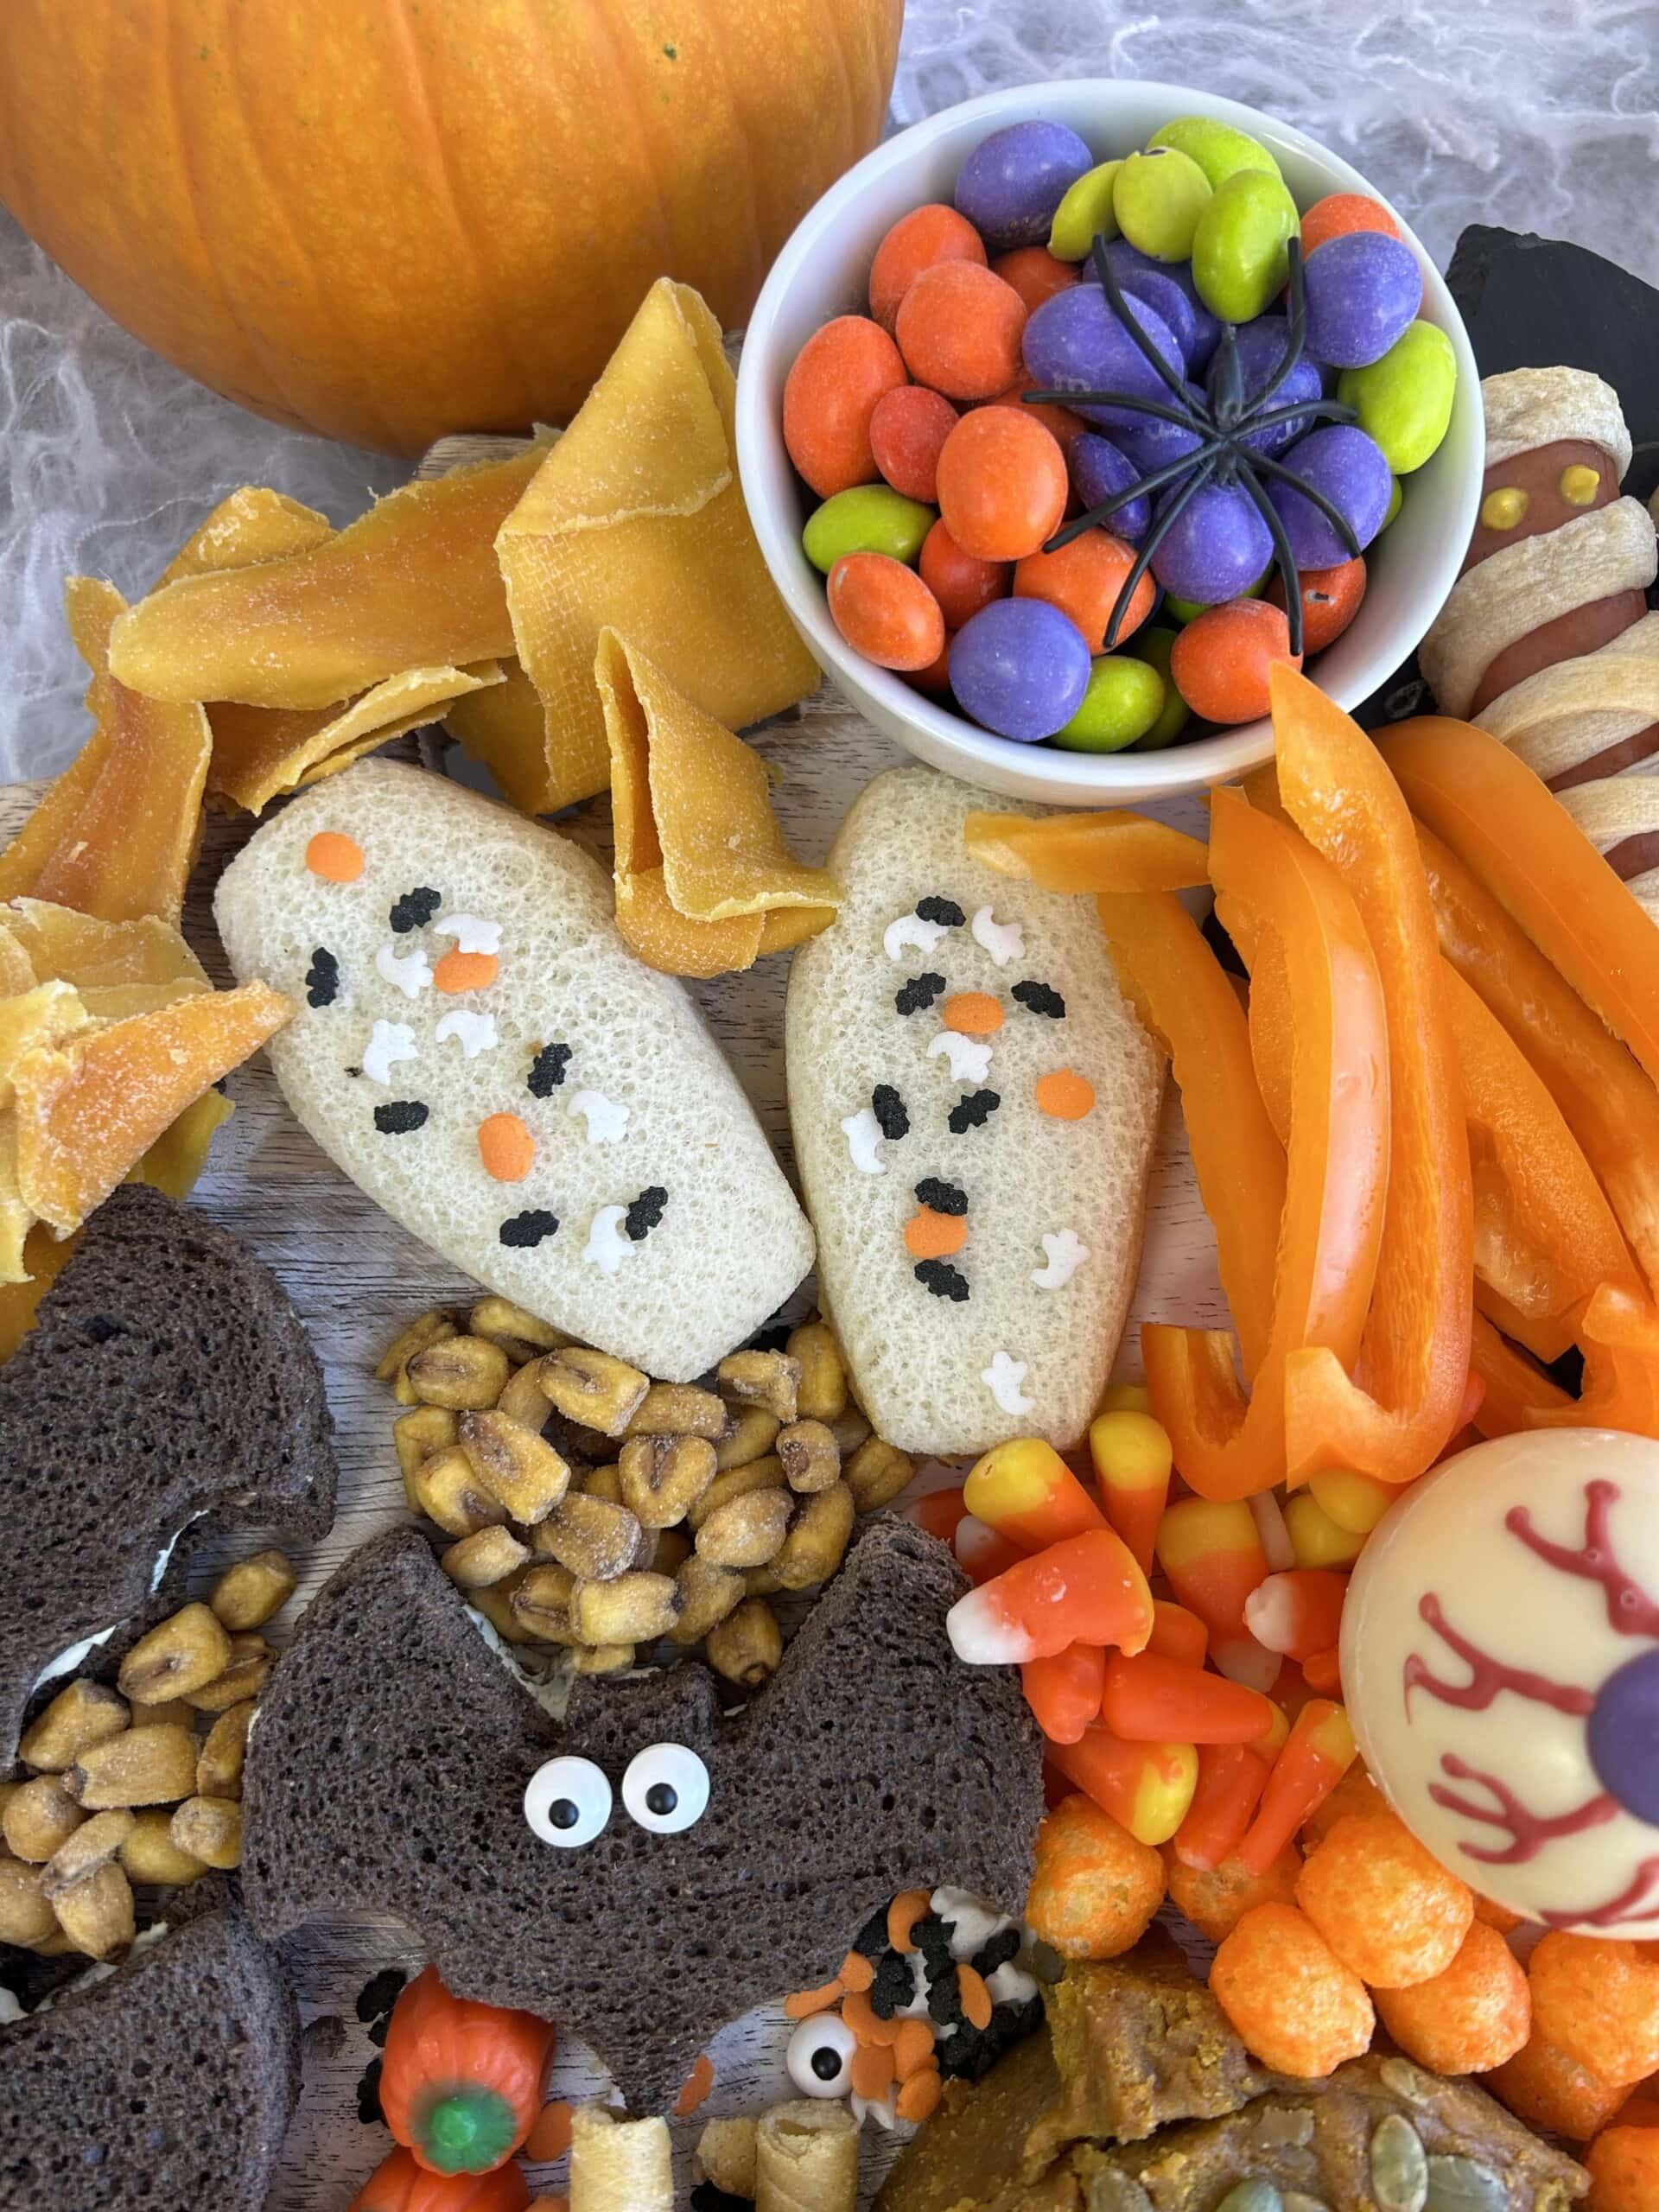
(1353, 1500)
(1322, 1672)
(1297, 1613)
(1127, 1398)
(1149, 1699)
(1212, 1555)
(1315, 1539)
(1177, 1634)
(1064, 1692)
(1146, 1787)
(1131, 1455)
(1269, 1518)
(938, 1511)
(1088, 1590)
(1026, 1491)
(1231, 1777)
(981, 1552)
(1317, 1752)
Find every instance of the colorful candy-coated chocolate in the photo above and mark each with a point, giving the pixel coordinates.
(1062, 425)
(1239, 249)
(908, 429)
(1146, 1787)
(1404, 401)
(1219, 150)
(959, 328)
(1217, 547)
(1157, 283)
(1086, 1590)
(1331, 599)
(1035, 273)
(1124, 699)
(1259, 348)
(1100, 471)
(1147, 1698)
(830, 394)
(1020, 668)
(885, 611)
(1341, 461)
(1003, 486)
(1084, 214)
(1220, 662)
(1132, 1462)
(1011, 184)
(1025, 1489)
(1156, 644)
(960, 582)
(1339, 212)
(1075, 343)
(1153, 443)
(1364, 292)
(866, 519)
(1158, 199)
(1084, 579)
(917, 241)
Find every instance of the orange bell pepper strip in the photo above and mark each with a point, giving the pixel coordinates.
(1516, 1390)
(1338, 1160)
(1114, 852)
(1507, 826)
(1607, 1102)
(1391, 1416)
(1619, 1338)
(1185, 1000)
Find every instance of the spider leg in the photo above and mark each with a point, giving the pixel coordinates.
(1333, 410)
(1189, 418)
(1283, 559)
(1149, 545)
(1141, 488)
(1143, 345)
(1333, 515)
(1295, 334)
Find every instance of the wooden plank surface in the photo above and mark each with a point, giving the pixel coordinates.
(356, 1276)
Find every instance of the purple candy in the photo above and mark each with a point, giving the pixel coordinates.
(1198, 330)
(1012, 181)
(1019, 667)
(1348, 467)
(1099, 469)
(1151, 442)
(1215, 549)
(1261, 346)
(1364, 292)
(1624, 1735)
(1076, 343)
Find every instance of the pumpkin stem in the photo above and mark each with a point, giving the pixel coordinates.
(468, 2131)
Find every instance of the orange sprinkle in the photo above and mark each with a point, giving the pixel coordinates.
(976, 1014)
(505, 1146)
(906, 1909)
(698, 2082)
(912, 2047)
(918, 2097)
(466, 971)
(975, 1998)
(334, 857)
(930, 1235)
(866, 2024)
(549, 2137)
(805, 2002)
(856, 1972)
(1067, 1097)
(872, 2071)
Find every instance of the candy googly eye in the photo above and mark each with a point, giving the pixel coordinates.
(665, 1788)
(820, 2056)
(568, 1802)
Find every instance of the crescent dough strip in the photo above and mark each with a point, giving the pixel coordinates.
(1529, 408)
(1614, 809)
(1644, 889)
(806, 2159)
(620, 2165)
(1574, 712)
(1515, 592)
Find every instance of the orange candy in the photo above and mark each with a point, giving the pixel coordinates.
(936, 677)
(1003, 484)
(335, 857)
(1215, 1899)
(908, 427)
(1065, 1095)
(1083, 580)
(466, 971)
(960, 583)
(903, 1913)
(885, 611)
(1034, 273)
(1386, 1907)
(1597, 1999)
(976, 1014)
(1291, 1999)
(1331, 599)
(1469, 2019)
(917, 241)
(829, 395)
(1543, 2086)
(1220, 661)
(1066, 427)
(976, 1997)
(1623, 2167)
(1339, 212)
(959, 330)
(506, 1148)
(1096, 1889)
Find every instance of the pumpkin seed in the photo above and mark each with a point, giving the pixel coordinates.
(1253, 2195)
(1402, 2080)
(1297, 2201)
(1399, 2166)
(1464, 2185)
(1110, 2191)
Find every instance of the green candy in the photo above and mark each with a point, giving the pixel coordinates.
(1239, 257)
(1084, 214)
(1219, 150)
(1158, 199)
(1154, 644)
(869, 519)
(1124, 700)
(1396, 500)
(1405, 399)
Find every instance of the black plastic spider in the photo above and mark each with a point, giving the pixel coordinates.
(1222, 424)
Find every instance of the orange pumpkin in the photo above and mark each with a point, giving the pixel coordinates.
(397, 2184)
(387, 222)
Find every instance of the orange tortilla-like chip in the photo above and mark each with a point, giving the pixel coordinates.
(116, 833)
(636, 516)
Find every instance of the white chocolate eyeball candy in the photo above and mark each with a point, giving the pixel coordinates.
(1500, 1660)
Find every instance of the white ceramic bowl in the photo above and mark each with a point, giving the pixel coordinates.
(823, 271)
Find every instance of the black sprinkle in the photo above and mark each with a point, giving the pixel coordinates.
(918, 994)
(941, 910)
(368, 2097)
(1040, 1000)
(399, 1116)
(945, 2001)
(645, 1213)
(414, 910)
(932, 1936)
(893, 1986)
(354, 1072)
(871, 1939)
(941, 1197)
(322, 978)
(889, 1110)
(377, 1997)
(526, 1230)
(546, 1071)
(997, 1951)
(973, 1111)
(943, 1279)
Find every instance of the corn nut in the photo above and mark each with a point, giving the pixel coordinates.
(155, 1764)
(515, 1463)
(463, 1373)
(748, 1532)
(746, 1646)
(593, 1388)
(476, 1561)
(87, 1713)
(663, 1476)
(822, 1392)
(255, 1590)
(188, 1650)
(594, 1539)
(633, 1608)
(767, 1474)
(876, 1473)
(97, 1915)
(449, 1493)
(150, 1856)
(707, 1593)
(38, 1817)
(251, 1659)
(224, 1749)
(770, 1379)
(811, 1461)
(679, 1409)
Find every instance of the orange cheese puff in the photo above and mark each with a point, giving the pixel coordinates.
(1497, 1916)
(1216, 1898)
(1153, 1701)
(1317, 1752)
(1355, 1793)
(1291, 1999)
(1177, 1634)
(1026, 1491)
(1063, 1693)
(1212, 1554)
(1231, 1777)
(1624, 2164)
(1545, 2088)
(1386, 1907)
(1597, 1999)
(938, 1511)
(1470, 2017)
(1131, 1456)
(1297, 1613)
(1641, 2107)
(1095, 1888)
(1086, 1590)
(1146, 1787)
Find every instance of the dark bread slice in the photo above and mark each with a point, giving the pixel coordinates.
(169, 2084)
(387, 1770)
(167, 1378)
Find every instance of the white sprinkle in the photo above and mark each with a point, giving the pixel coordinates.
(1011, 1985)
(880, 2110)
(911, 932)
(969, 1056)
(393, 1041)
(1066, 1253)
(406, 972)
(1003, 1378)
(476, 1031)
(973, 1923)
(607, 1248)
(863, 1135)
(606, 1120)
(471, 935)
(1004, 941)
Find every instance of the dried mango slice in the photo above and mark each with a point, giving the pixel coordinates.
(180, 1153)
(15, 1217)
(45, 1015)
(16, 969)
(505, 727)
(636, 515)
(115, 835)
(96, 955)
(411, 584)
(252, 525)
(87, 1113)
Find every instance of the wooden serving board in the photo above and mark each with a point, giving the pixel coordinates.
(356, 1277)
